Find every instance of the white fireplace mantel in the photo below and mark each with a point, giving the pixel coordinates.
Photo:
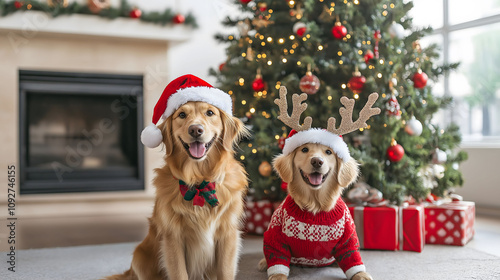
(29, 23)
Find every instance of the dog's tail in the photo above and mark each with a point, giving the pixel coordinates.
(262, 266)
(127, 275)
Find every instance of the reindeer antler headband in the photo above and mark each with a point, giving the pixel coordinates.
(302, 134)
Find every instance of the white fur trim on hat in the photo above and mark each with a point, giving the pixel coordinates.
(151, 136)
(317, 136)
(210, 95)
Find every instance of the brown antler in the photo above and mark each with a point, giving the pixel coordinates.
(346, 124)
(293, 121)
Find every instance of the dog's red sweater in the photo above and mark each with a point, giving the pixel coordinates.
(301, 238)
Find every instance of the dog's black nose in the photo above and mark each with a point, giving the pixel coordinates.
(196, 130)
(317, 162)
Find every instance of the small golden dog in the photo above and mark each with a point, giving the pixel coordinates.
(313, 226)
(187, 241)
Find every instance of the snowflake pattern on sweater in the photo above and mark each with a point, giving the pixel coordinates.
(301, 238)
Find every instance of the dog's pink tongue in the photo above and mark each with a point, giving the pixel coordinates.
(197, 149)
(315, 178)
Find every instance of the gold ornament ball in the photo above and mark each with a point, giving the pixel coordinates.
(265, 169)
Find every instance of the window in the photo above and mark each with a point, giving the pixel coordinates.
(469, 32)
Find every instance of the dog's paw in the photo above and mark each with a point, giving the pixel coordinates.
(278, 277)
(362, 276)
(262, 266)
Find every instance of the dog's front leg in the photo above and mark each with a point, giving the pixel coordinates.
(227, 252)
(174, 257)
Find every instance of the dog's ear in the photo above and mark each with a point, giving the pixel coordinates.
(284, 166)
(347, 172)
(234, 130)
(166, 131)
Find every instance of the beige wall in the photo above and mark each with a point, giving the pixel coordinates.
(92, 54)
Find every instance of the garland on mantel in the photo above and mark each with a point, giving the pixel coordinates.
(125, 10)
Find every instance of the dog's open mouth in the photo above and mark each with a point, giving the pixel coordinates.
(314, 179)
(197, 149)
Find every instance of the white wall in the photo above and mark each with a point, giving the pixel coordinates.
(482, 177)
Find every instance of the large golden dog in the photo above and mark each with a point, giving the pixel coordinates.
(187, 241)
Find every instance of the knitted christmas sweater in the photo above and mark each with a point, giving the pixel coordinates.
(301, 238)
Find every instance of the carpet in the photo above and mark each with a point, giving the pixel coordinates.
(94, 262)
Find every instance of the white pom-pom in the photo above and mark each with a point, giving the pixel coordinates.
(151, 136)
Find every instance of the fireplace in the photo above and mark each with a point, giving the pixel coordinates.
(79, 132)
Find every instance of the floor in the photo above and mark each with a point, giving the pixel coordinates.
(76, 231)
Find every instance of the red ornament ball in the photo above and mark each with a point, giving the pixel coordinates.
(135, 13)
(245, 1)
(309, 83)
(356, 83)
(420, 79)
(262, 7)
(178, 19)
(258, 84)
(369, 55)
(18, 4)
(395, 152)
(339, 31)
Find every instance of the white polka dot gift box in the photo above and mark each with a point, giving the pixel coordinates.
(450, 223)
(258, 215)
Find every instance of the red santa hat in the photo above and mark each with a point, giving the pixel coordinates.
(177, 93)
(317, 136)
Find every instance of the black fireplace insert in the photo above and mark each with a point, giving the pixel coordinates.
(79, 132)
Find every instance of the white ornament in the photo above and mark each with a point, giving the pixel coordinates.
(413, 127)
(439, 156)
(396, 30)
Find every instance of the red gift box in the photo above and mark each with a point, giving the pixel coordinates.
(258, 215)
(450, 223)
(390, 227)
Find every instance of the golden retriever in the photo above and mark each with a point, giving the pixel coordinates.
(187, 241)
(316, 177)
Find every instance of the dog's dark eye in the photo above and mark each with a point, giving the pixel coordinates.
(210, 113)
(328, 152)
(305, 150)
(182, 115)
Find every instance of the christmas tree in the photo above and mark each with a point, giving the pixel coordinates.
(329, 49)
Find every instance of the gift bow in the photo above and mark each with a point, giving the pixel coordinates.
(199, 193)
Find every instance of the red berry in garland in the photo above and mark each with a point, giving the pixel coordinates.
(357, 82)
(178, 19)
(419, 79)
(135, 13)
(18, 4)
(339, 31)
(395, 152)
